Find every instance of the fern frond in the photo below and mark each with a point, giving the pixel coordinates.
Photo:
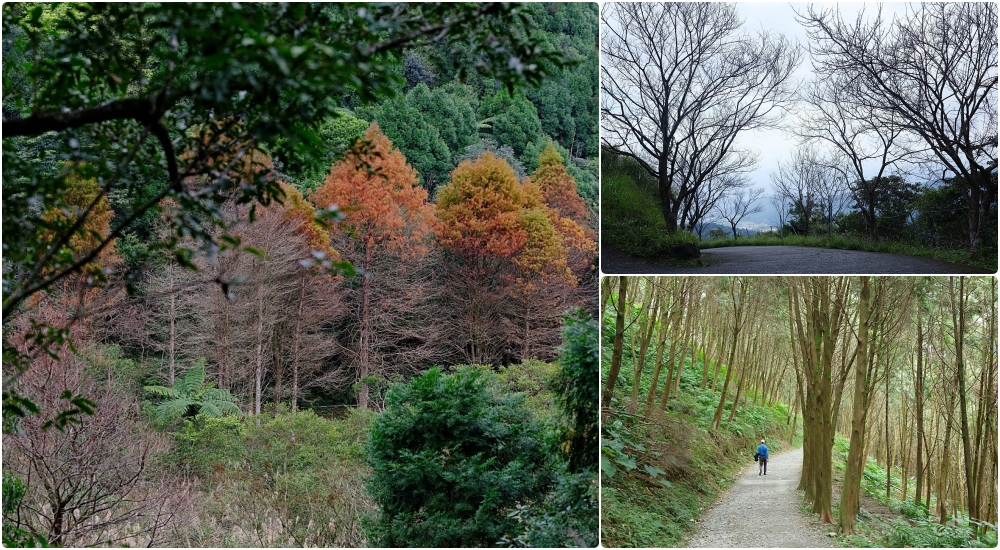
(215, 394)
(209, 409)
(193, 380)
(174, 408)
(162, 391)
(487, 123)
(228, 407)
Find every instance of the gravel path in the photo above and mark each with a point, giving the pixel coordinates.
(761, 511)
(738, 260)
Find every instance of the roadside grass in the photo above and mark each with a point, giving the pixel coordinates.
(631, 220)
(857, 242)
(906, 525)
(668, 468)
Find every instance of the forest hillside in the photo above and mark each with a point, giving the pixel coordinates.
(261, 260)
(894, 380)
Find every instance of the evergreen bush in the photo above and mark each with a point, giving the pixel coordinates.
(451, 458)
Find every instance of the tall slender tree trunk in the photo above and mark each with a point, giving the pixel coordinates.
(920, 404)
(738, 298)
(646, 333)
(687, 344)
(259, 357)
(888, 440)
(739, 392)
(295, 343)
(958, 321)
(616, 354)
(364, 345)
(717, 418)
(662, 337)
(850, 493)
(173, 322)
(708, 351)
(944, 472)
(278, 355)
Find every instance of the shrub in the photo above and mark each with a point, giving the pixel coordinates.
(295, 479)
(206, 446)
(533, 378)
(577, 391)
(568, 515)
(451, 457)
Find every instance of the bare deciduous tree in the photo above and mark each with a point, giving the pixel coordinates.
(833, 192)
(700, 205)
(271, 316)
(780, 204)
(679, 85)
(801, 180)
(832, 118)
(933, 72)
(740, 204)
(93, 483)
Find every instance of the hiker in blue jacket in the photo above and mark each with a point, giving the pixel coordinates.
(762, 458)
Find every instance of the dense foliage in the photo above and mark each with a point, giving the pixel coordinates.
(458, 460)
(660, 471)
(449, 455)
(224, 225)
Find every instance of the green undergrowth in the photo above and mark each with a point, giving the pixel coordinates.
(662, 468)
(631, 219)
(984, 261)
(896, 523)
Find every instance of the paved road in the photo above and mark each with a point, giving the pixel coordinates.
(785, 260)
(762, 511)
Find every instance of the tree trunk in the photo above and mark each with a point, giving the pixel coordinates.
(646, 334)
(851, 491)
(689, 345)
(669, 206)
(364, 345)
(671, 356)
(739, 392)
(616, 356)
(259, 370)
(958, 321)
(279, 369)
(818, 329)
(888, 441)
(662, 338)
(173, 322)
(717, 418)
(295, 344)
(920, 404)
(945, 470)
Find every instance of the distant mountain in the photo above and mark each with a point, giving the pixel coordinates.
(708, 227)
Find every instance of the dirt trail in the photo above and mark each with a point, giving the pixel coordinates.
(762, 511)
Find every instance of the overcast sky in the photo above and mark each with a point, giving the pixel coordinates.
(774, 145)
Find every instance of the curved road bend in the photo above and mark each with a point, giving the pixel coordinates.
(785, 260)
(762, 511)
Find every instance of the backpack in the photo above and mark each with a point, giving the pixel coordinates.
(756, 456)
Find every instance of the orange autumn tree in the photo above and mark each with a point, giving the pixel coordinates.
(84, 196)
(559, 187)
(82, 293)
(386, 233)
(568, 211)
(80, 300)
(507, 277)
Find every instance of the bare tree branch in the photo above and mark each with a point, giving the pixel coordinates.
(679, 85)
